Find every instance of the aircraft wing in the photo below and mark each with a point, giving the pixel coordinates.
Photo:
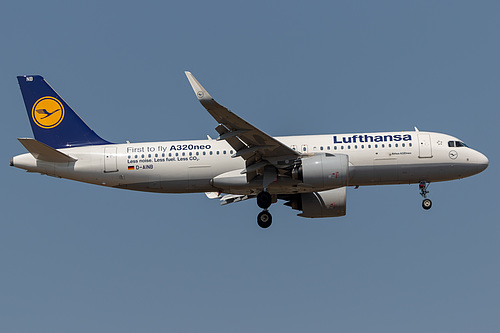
(256, 147)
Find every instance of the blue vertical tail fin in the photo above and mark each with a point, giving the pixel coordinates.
(52, 120)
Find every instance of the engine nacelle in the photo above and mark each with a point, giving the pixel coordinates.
(323, 171)
(230, 179)
(331, 203)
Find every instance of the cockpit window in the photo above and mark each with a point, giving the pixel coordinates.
(456, 144)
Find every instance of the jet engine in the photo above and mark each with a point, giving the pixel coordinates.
(323, 171)
(331, 203)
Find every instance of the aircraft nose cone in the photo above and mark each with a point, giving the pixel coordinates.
(482, 162)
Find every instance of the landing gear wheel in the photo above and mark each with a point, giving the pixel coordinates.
(264, 200)
(427, 204)
(264, 219)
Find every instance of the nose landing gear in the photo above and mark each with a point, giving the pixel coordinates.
(426, 203)
(264, 201)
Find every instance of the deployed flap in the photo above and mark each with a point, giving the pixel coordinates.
(245, 138)
(41, 151)
(212, 195)
(230, 198)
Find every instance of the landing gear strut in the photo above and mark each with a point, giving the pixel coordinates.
(264, 201)
(426, 203)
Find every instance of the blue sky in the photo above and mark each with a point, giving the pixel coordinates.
(80, 258)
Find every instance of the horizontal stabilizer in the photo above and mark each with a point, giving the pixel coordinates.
(41, 151)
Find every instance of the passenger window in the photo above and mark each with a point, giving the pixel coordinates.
(204, 153)
(183, 154)
(217, 152)
(328, 148)
(376, 146)
(362, 146)
(396, 145)
(211, 152)
(176, 154)
(142, 156)
(389, 145)
(355, 146)
(169, 154)
(231, 152)
(369, 146)
(409, 144)
(335, 148)
(190, 154)
(349, 147)
(321, 148)
(383, 146)
(402, 145)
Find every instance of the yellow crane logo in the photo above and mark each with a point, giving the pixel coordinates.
(47, 112)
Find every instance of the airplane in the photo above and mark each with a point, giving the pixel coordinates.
(309, 172)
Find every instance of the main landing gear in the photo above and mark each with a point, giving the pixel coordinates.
(264, 201)
(264, 219)
(426, 203)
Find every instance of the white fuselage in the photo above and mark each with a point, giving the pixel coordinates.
(191, 166)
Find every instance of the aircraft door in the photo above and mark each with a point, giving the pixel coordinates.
(110, 164)
(424, 146)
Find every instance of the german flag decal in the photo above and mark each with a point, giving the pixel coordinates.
(131, 167)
